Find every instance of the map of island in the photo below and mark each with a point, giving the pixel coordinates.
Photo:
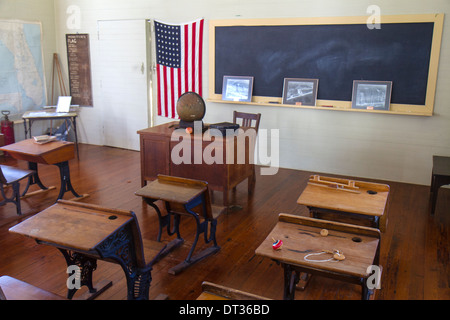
(22, 83)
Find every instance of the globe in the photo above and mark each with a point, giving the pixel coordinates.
(191, 107)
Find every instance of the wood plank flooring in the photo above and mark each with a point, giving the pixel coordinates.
(415, 248)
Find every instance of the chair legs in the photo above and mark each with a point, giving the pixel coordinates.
(15, 197)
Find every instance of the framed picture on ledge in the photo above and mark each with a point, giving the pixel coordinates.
(237, 88)
(371, 95)
(300, 91)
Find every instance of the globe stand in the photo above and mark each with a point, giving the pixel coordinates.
(186, 124)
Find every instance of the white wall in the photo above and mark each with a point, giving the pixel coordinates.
(379, 146)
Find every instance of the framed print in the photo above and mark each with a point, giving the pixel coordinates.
(300, 91)
(237, 88)
(371, 95)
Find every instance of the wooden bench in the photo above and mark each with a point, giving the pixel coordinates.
(212, 291)
(184, 197)
(87, 232)
(13, 289)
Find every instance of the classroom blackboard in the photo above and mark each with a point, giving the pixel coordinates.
(336, 54)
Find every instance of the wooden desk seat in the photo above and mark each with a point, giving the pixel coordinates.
(186, 197)
(11, 176)
(212, 291)
(13, 289)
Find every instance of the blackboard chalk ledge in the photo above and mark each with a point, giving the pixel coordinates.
(322, 107)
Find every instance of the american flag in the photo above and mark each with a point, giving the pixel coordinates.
(178, 63)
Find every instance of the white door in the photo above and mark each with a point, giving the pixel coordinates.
(122, 67)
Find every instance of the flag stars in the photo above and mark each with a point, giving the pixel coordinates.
(168, 45)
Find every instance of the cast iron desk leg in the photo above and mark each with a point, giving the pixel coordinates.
(66, 185)
(291, 278)
(34, 178)
(74, 121)
(165, 221)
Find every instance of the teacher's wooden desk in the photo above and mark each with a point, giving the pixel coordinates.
(303, 243)
(356, 200)
(235, 159)
(55, 152)
(85, 233)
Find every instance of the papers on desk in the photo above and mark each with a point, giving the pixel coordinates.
(44, 139)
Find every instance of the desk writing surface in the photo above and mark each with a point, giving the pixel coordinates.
(334, 199)
(48, 153)
(78, 228)
(306, 239)
(48, 114)
(170, 192)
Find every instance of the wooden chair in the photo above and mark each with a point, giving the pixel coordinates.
(11, 176)
(212, 291)
(247, 119)
(188, 197)
(440, 176)
(13, 289)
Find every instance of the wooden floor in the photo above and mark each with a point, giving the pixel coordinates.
(414, 249)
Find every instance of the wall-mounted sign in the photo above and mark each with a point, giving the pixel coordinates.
(79, 64)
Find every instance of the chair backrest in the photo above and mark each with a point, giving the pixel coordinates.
(247, 119)
(207, 213)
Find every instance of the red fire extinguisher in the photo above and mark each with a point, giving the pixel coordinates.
(8, 128)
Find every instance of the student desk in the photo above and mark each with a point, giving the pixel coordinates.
(352, 199)
(54, 153)
(85, 233)
(156, 157)
(79, 233)
(182, 196)
(301, 237)
(30, 116)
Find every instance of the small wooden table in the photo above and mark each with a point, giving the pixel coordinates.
(181, 196)
(53, 153)
(356, 199)
(301, 237)
(439, 177)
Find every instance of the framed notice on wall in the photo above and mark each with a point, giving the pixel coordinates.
(78, 57)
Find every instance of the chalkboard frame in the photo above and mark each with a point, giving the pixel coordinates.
(410, 109)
